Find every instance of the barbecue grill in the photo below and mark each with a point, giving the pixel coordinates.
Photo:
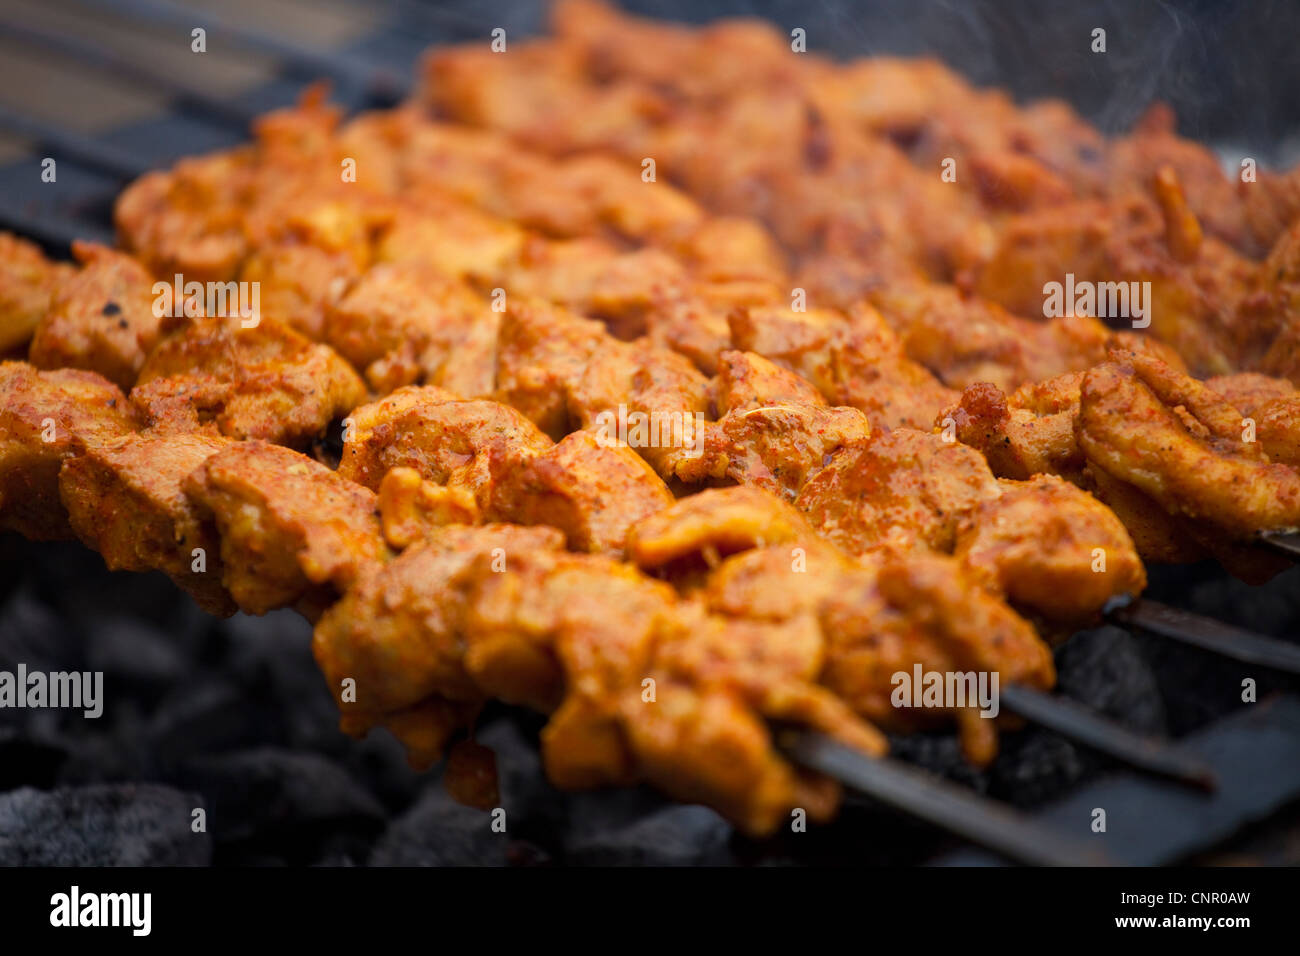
(232, 716)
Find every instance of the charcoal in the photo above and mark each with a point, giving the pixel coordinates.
(136, 658)
(273, 799)
(29, 761)
(212, 714)
(670, 836)
(1104, 670)
(273, 653)
(102, 825)
(32, 633)
(940, 754)
(1036, 765)
(533, 804)
(438, 831)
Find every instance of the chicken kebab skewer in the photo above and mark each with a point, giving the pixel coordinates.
(1200, 284)
(539, 477)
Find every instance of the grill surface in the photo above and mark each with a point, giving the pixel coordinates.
(233, 716)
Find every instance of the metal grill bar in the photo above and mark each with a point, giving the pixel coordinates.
(381, 85)
(85, 150)
(207, 106)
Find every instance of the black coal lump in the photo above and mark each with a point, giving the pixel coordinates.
(1104, 670)
(271, 805)
(671, 835)
(438, 831)
(101, 825)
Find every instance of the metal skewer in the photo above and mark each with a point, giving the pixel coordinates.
(1204, 632)
(1069, 719)
(940, 802)
(1284, 542)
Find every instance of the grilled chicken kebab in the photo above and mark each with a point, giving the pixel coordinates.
(875, 458)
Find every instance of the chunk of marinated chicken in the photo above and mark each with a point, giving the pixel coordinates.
(28, 282)
(542, 350)
(591, 490)
(292, 531)
(1052, 547)
(102, 319)
(964, 340)
(1182, 444)
(398, 633)
(875, 628)
(45, 419)
(471, 445)
(852, 360)
(903, 488)
(747, 380)
(566, 373)
(777, 447)
(411, 508)
(126, 499)
(267, 382)
(404, 324)
(716, 523)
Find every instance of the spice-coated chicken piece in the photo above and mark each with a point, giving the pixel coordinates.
(442, 235)
(852, 360)
(964, 340)
(1177, 441)
(595, 278)
(46, 418)
(1029, 432)
(204, 216)
(411, 508)
(500, 612)
(566, 373)
(266, 382)
(398, 631)
(102, 319)
(1193, 302)
(713, 524)
(714, 685)
(126, 500)
(1272, 405)
(774, 447)
(592, 490)
(293, 533)
(747, 380)
(874, 627)
(404, 324)
(188, 220)
(903, 488)
(542, 351)
(449, 441)
(1052, 547)
(298, 282)
(28, 282)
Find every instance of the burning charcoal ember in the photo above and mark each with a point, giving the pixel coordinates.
(104, 825)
